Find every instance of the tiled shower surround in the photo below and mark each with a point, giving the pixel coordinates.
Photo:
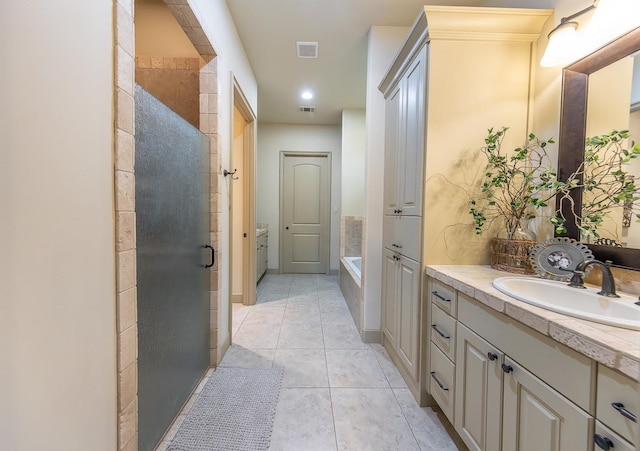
(173, 81)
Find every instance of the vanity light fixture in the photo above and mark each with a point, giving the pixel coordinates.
(564, 43)
(612, 19)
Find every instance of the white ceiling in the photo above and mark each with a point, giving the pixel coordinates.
(269, 30)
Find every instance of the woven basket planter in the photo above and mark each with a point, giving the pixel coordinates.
(512, 255)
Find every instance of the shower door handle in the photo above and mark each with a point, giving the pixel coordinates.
(213, 257)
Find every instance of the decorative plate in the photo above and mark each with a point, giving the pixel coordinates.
(552, 258)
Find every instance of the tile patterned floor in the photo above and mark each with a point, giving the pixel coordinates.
(338, 393)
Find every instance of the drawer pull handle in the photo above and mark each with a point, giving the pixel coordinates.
(398, 246)
(624, 412)
(507, 368)
(492, 356)
(442, 334)
(440, 384)
(603, 442)
(439, 296)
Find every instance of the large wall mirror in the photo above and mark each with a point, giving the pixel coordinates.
(601, 92)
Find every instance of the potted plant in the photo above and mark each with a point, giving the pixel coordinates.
(515, 184)
(606, 184)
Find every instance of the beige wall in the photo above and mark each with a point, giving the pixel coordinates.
(383, 44)
(458, 119)
(158, 32)
(273, 138)
(353, 162)
(57, 282)
(231, 62)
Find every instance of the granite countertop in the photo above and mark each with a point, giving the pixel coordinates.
(261, 230)
(612, 346)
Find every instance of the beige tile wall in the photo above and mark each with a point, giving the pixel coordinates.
(125, 226)
(173, 81)
(124, 158)
(209, 126)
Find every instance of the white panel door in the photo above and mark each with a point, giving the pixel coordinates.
(305, 197)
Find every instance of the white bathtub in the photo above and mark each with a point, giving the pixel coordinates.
(354, 266)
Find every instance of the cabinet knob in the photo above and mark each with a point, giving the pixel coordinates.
(507, 368)
(603, 442)
(624, 412)
(492, 356)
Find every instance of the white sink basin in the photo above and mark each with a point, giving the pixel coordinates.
(579, 303)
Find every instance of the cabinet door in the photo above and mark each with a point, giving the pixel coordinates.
(390, 297)
(392, 149)
(538, 418)
(478, 391)
(410, 172)
(409, 314)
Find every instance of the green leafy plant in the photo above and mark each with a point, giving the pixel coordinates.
(515, 183)
(605, 182)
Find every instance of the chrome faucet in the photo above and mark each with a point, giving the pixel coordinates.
(608, 283)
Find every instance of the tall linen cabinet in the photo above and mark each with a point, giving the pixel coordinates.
(459, 72)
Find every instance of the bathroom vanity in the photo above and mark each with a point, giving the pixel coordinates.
(513, 376)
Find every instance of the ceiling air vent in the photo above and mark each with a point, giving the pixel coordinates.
(307, 109)
(307, 49)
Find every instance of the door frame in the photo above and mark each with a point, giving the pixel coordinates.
(326, 252)
(247, 178)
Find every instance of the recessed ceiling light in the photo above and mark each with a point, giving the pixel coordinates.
(307, 95)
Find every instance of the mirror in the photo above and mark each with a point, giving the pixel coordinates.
(585, 83)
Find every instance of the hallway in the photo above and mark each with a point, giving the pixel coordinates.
(337, 392)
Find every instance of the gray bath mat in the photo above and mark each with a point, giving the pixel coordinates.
(234, 411)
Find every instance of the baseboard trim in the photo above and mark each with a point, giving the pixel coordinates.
(237, 298)
(222, 350)
(371, 335)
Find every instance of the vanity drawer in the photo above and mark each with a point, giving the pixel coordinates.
(402, 234)
(441, 381)
(444, 297)
(614, 388)
(443, 331)
(618, 443)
